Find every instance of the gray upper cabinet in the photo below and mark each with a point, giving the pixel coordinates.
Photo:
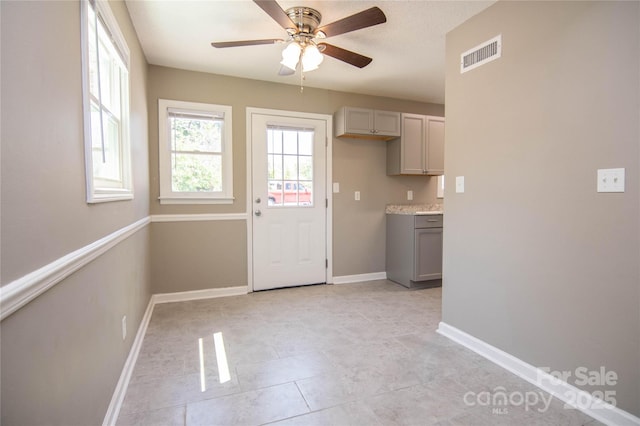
(367, 123)
(420, 149)
(435, 145)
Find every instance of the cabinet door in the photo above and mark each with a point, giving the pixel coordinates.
(386, 123)
(435, 145)
(412, 144)
(358, 120)
(428, 254)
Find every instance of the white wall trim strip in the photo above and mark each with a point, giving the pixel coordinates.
(197, 217)
(347, 279)
(199, 294)
(18, 293)
(113, 411)
(603, 412)
(117, 399)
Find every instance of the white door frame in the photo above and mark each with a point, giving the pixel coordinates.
(328, 118)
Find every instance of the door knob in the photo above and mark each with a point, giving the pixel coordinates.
(258, 213)
(258, 200)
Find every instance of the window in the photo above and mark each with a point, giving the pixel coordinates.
(290, 166)
(195, 153)
(105, 71)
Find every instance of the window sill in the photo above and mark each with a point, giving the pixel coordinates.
(185, 200)
(105, 198)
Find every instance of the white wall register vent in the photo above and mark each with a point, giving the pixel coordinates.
(481, 54)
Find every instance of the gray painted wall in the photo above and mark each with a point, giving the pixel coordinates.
(198, 255)
(62, 354)
(358, 226)
(536, 262)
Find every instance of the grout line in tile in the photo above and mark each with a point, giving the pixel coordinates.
(302, 395)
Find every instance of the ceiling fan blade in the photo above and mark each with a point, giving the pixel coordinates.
(355, 59)
(284, 71)
(364, 19)
(273, 9)
(222, 44)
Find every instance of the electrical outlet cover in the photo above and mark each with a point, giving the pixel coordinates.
(610, 180)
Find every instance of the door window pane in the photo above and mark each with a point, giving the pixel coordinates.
(305, 143)
(305, 168)
(290, 166)
(290, 142)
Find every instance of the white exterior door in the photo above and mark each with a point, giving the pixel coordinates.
(288, 203)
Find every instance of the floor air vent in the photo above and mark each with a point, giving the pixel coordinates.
(481, 54)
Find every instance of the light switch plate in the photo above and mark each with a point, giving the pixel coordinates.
(459, 184)
(610, 180)
(409, 195)
(357, 195)
(336, 187)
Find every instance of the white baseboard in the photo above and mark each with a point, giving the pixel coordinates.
(603, 412)
(113, 411)
(347, 279)
(210, 293)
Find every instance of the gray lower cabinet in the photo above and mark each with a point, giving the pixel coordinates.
(428, 254)
(414, 248)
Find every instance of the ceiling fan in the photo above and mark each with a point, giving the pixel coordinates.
(304, 34)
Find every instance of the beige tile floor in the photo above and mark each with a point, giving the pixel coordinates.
(357, 354)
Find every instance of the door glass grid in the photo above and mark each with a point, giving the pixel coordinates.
(290, 166)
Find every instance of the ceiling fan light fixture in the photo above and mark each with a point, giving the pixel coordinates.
(291, 55)
(311, 58)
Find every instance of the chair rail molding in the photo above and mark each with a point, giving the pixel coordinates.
(197, 217)
(18, 293)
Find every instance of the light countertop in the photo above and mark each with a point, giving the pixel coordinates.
(414, 209)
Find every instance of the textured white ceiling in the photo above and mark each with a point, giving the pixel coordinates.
(408, 50)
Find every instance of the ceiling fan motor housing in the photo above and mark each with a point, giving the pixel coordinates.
(306, 20)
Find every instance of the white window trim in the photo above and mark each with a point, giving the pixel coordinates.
(95, 194)
(167, 195)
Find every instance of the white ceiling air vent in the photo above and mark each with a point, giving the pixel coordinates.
(481, 54)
